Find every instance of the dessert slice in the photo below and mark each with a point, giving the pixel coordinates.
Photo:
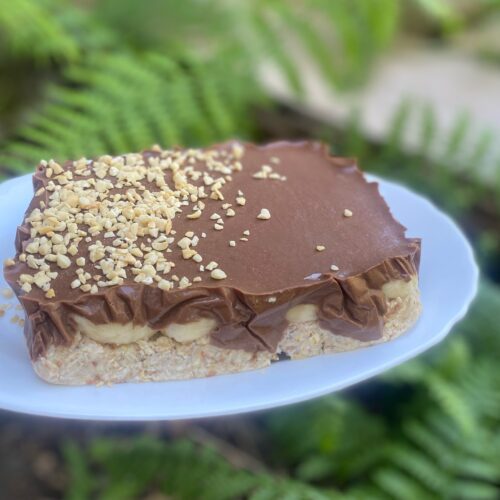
(183, 263)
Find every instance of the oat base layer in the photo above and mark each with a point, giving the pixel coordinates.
(89, 362)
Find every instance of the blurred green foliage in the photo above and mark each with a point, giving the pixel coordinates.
(83, 78)
(51, 48)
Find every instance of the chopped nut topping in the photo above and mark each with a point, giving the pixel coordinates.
(320, 248)
(266, 172)
(246, 232)
(118, 214)
(9, 262)
(165, 284)
(50, 293)
(63, 262)
(240, 200)
(184, 282)
(264, 214)
(334, 268)
(211, 266)
(347, 213)
(238, 151)
(187, 253)
(232, 243)
(197, 258)
(184, 242)
(218, 274)
(76, 283)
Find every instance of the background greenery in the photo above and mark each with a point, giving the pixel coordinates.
(84, 78)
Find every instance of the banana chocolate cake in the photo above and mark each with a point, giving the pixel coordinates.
(184, 263)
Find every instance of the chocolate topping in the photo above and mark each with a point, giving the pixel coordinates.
(323, 214)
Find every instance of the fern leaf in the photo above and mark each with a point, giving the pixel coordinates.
(398, 126)
(451, 401)
(427, 131)
(310, 38)
(474, 490)
(120, 103)
(430, 443)
(41, 36)
(421, 467)
(398, 485)
(82, 483)
(456, 140)
(270, 39)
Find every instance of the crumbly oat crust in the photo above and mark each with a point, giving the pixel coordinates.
(162, 358)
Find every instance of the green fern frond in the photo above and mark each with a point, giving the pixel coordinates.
(428, 130)
(82, 482)
(131, 469)
(33, 28)
(481, 384)
(394, 144)
(443, 11)
(452, 402)
(396, 484)
(444, 458)
(421, 467)
(120, 103)
(268, 36)
(326, 33)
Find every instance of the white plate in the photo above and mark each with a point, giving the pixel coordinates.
(448, 280)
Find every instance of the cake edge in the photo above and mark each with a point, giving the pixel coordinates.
(87, 362)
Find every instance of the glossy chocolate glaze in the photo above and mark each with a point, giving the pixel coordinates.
(276, 269)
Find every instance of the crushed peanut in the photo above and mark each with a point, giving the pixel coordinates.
(211, 266)
(125, 234)
(347, 213)
(264, 214)
(218, 274)
(266, 172)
